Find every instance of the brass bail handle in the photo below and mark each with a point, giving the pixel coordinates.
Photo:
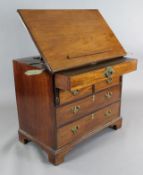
(109, 80)
(75, 92)
(75, 109)
(108, 74)
(108, 113)
(108, 94)
(75, 129)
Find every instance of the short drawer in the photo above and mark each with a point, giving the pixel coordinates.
(66, 96)
(106, 84)
(81, 127)
(87, 105)
(89, 75)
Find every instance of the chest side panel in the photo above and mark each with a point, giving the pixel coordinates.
(35, 103)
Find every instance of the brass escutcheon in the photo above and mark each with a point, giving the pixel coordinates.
(93, 116)
(75, 109)
(93, 97)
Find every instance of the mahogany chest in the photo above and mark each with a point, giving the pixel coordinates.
(73, 89)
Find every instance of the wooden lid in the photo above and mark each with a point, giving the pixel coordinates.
(71, 38)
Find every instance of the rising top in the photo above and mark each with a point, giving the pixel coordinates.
(71, 38)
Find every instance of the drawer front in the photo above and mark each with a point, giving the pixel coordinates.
(87, 105)
(68, 96)
(106, 84)
(80, 78)
(81, 127)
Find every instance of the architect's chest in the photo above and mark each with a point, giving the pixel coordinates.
(73, 89)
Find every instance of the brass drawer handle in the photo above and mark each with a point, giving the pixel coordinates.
(75, 129)
(109, 72)
(108, 94)
(75, 109)
(75, 92)
(108, 113)
(109, 80)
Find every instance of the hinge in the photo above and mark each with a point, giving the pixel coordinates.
(57, 99)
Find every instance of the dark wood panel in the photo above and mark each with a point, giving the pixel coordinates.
(75, 130)
(35, 104)
(87, 105)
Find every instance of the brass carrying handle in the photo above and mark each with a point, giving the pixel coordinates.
(108, 113)
(75, 92)
(75, 129)
(75, 109)
(108, 94)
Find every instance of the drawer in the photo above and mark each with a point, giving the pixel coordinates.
(87, 105)
(106, 84)
(66, 96)
(81, 127)
(89, 75)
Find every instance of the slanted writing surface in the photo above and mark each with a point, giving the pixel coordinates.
(71, 38)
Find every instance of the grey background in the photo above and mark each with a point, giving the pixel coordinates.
(108, 152)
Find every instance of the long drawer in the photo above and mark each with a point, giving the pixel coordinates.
(81, 127)
(83, 77)
(73, 111)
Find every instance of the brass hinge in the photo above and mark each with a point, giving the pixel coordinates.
(57, 99)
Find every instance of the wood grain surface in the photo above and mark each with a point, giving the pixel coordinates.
(87, 124)
(80, 78)
(87, 105)
(71, 38)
